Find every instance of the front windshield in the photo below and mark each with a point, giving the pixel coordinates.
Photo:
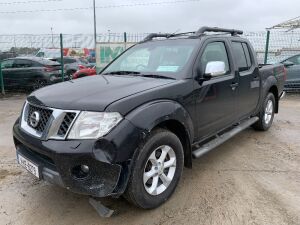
(167, 58)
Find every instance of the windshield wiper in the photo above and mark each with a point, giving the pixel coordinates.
(156, 76)
(121, 72)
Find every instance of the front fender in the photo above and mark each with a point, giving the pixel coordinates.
(149, 115)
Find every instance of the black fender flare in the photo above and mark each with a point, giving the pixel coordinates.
(148, 116)
(266, 87)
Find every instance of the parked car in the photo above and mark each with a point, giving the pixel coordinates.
(132, 130)
(85, 72)
(292, 65)
(6, 55)
(30, 72)
(72, 64)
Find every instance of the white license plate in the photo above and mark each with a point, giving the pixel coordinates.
(28, 165)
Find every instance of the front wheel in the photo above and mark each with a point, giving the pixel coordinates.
(266, 114)
(156, 170)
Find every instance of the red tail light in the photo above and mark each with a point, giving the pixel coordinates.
(81, 67)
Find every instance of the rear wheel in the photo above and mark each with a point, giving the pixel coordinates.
(266, 114)
(156, 170)
(38, 83)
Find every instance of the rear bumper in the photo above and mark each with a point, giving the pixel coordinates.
(58, 160)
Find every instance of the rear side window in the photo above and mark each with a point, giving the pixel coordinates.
(247, 54)
(240, 56)
(215, 51)
(22, 63)
(69, 60)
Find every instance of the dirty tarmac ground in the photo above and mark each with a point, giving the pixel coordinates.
(253, 178)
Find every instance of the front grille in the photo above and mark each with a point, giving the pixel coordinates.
(45, 115)
(66, 123)
(47, 123)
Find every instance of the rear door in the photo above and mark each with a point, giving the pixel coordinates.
(215, 98)
(22, 72)
(248, 78)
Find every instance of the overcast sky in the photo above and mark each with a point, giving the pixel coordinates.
(249, 15)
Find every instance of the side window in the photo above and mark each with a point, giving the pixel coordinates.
(215, 51)
(295, 60)
(69, 60)
(247, 54)
(7, 64)
(239, 56)
(22, 63)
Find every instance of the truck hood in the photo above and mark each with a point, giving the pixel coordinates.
(94, 93)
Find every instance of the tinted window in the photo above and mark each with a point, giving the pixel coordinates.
(239, 55)
(247, 54)
(215, 51)
(7, 64)
(295, 60)
(22, 63)
(47, 62)
(69, 60)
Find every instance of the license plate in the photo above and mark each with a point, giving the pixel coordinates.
(28, 165)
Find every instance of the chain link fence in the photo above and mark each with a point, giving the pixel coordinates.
(282, 44)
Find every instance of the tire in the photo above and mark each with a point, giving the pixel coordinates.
(143, 194)
(70, 73)
(39, 83)
(266, 114)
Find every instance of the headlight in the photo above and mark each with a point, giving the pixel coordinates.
(92, 125)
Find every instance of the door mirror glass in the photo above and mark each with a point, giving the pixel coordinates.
(288, 63)
(215, 68)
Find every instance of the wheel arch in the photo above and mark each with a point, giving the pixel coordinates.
(274, 90)
(169, 115)
(180, 131)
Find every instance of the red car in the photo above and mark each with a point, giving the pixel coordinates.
(85, 72)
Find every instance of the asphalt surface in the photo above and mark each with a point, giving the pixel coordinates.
(253, 178)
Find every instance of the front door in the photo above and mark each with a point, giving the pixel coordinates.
(215, 98)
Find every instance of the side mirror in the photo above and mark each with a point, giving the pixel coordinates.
(214, 69)
(288, 63)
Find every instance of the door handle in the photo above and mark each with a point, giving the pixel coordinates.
(234, 86)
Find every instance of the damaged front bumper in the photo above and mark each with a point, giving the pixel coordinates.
(59, 161)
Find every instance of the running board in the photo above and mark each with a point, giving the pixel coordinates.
(224, 137)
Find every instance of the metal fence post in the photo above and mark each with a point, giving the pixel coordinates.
(125, 37)
(1, 80)
(62, 57)
(267, 47)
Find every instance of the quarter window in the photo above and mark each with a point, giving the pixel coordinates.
(21, 63)
(215, 51)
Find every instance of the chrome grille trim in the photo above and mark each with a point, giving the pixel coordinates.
(53, 124)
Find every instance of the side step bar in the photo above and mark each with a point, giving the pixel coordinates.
(224, 137)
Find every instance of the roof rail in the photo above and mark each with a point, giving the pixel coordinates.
(154, 35)
(233, 32)
(166, 35)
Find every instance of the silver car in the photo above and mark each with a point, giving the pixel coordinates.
(292, 64)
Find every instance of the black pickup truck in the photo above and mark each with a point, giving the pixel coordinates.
(131, 129)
